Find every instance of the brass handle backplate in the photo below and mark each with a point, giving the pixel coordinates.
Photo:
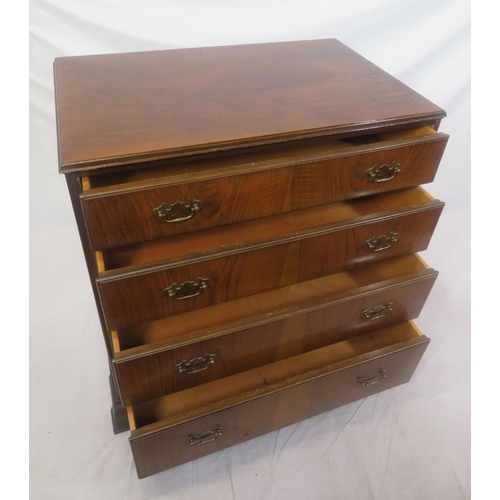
(378, 311)
(383, 173)
(196, 364)
(205, 437)
(374, 378)
(178, 211)
(382, 242)
(188, 289)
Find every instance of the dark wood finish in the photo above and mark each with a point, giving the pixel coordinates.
(203, 324)
(260, 233)
(258, 402)
(276, 141)
(120, 108)
(198, 399)
(246, 189)
(249, 159)
(74, 188)
(118, 411)
(134, 298)
(272, 335)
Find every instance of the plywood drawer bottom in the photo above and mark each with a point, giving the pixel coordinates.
(184, 426)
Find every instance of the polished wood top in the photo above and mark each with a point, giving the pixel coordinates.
(121, 108)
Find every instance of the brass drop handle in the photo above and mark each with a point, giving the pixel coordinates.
(196, 365)
(374, 378)
(188, 289)
(205, 437)
(378, 311)
(383, 173)
(178, 211)
(382, 242)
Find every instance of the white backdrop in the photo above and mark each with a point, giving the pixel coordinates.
(412, 442)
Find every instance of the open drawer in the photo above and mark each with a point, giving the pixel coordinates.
(183, 351)
(184, 426)
(177, 196)
(145, 282)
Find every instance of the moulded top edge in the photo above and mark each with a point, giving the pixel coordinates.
(122, 108)
(92, 164)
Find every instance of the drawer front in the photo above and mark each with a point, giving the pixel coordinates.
(121, 216)
(140, 297)
(163, 448)
(343, 316)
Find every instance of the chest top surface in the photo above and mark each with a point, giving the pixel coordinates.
(121, 108)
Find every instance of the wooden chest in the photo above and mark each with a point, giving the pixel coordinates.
(250, 218)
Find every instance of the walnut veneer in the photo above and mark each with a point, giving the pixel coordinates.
(250, 218)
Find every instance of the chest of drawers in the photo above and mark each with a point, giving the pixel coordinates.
(250, 218)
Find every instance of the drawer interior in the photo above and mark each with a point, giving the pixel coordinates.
(259, 233)
(215, 396)
(178, 170)
(203, 324)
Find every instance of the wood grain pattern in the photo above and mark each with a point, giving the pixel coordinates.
(260, 233)
(252, 158)
(276, 140)
(121, 108)
(117, 216)
(285, 393)
(147, 375)
(196, 401)
(135, 298)
(213, 321)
